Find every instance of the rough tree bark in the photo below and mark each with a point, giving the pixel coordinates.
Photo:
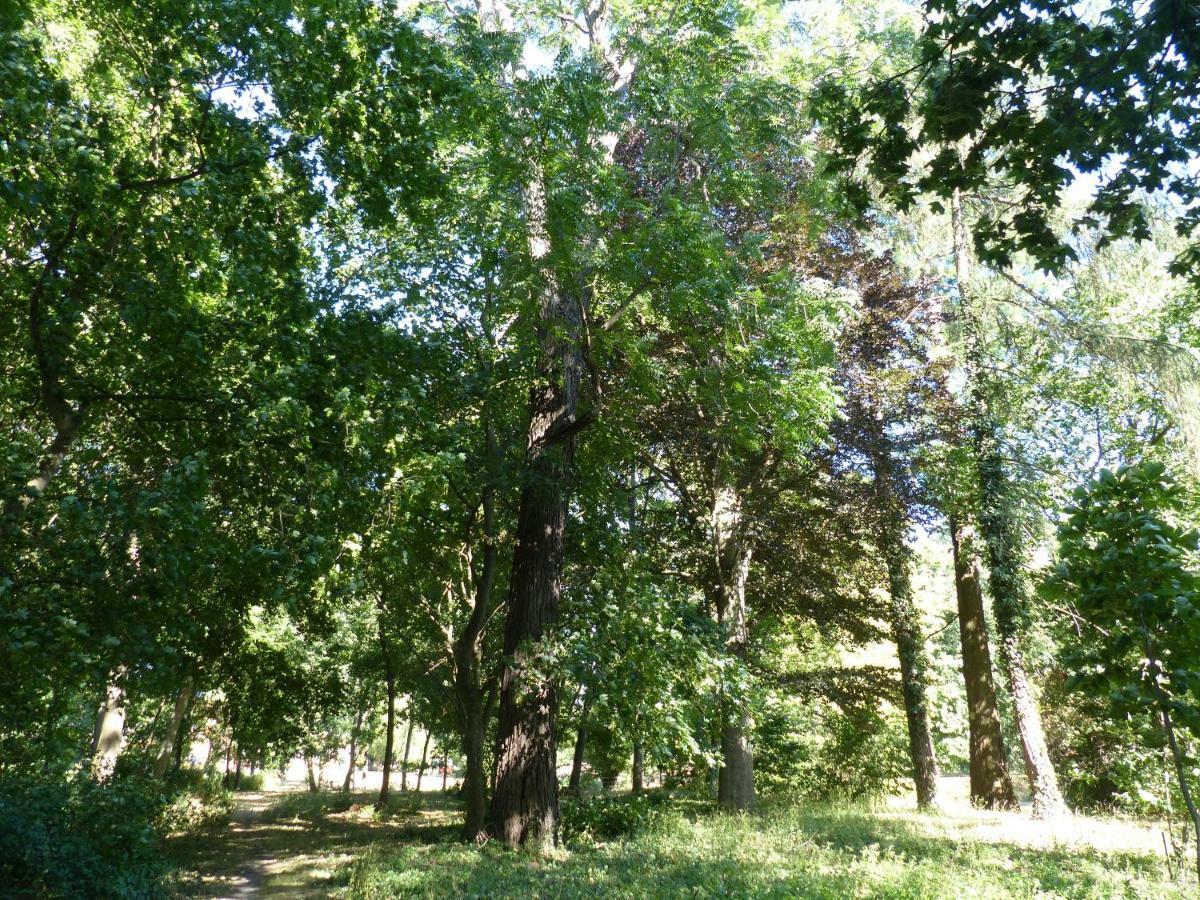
(524, 807)
(166, 748)
(731, 564)
(1001, 536)
(991, 785)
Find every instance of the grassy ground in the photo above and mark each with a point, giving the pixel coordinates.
(331, 845)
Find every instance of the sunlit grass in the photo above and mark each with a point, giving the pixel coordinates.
(784, 852)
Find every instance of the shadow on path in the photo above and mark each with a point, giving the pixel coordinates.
(273, 847)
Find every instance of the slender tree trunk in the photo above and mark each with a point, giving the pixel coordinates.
(184, 733)
(445, 770)
(1179, 759)
(349, 782)
(906, 632)
(731, 553)
(404, 759)
(424, 758)
(906, 627)
(237, 772)
(1002, 538)
(991, 786)
(166, 749)
(576, 780)
(467, 653)
(110, 726)
(637, 784)
(390, 680)
(313, 787)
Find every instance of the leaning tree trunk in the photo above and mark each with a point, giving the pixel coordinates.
(991, 785)
(110, 726)
(52, 373)
(524, 807)
(404, 759)
(731, 559)
(575, 782)
(349, 781)
(166, 749)
(906, 631)
(424, 758)
(1001, 535)
(906, 627)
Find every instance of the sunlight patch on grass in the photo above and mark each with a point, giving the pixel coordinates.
(787, 852)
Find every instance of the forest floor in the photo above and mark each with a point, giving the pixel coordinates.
(295, 844)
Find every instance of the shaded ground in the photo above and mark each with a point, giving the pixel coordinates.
(287, 843)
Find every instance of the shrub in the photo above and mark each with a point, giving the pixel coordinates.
(76, 838)
(198, 799)
(250, 782)
(606, 817)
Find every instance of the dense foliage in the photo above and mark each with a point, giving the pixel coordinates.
(675, 396)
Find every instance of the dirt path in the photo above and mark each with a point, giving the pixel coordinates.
(281, 844)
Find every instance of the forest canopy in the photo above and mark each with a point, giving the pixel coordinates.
(741, 403)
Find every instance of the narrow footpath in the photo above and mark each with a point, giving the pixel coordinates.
(288, 843)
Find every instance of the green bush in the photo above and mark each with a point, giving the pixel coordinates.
(606, 817)
(250, 782)
(809, 749)
(76, 838)
(198, 799)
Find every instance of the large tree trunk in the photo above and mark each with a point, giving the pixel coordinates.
(404, 759)
(349, 780)
(524, 806)
(731, 559)
(637, 784)
(991, 785)
(389, 676)
(1002, 537)
(313, 787)
(166, 749)
(110, 726)
(906, 626)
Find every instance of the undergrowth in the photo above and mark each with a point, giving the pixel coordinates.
(784, 852)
